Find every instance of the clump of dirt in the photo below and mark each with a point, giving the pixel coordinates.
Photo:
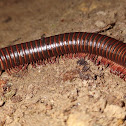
(71, 92)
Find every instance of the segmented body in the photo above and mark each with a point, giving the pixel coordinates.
(77, 42)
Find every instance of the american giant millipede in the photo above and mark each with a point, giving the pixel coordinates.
(105, 49)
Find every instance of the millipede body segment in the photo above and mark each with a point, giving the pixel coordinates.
(76, 42)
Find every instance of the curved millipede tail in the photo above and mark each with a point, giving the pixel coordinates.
(106, 50)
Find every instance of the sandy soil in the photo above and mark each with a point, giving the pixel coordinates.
(71, 92)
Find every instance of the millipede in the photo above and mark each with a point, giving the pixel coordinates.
(100, 48)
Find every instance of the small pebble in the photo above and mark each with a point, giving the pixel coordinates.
(100, 24)
(115, 111)
(77, 119)
(101, 13)
(17, 98)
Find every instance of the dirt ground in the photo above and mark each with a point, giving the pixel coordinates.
(71, 92)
